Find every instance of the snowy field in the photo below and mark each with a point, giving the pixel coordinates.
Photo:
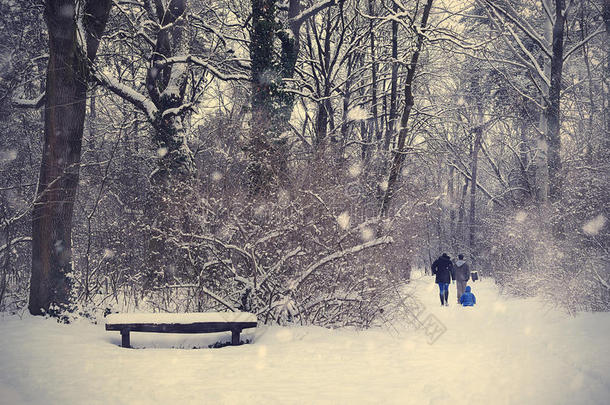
(504, 351)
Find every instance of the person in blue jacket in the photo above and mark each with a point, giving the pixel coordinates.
(443, 269)
(468, 299)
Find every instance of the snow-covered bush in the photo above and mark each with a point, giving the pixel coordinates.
(526, 256)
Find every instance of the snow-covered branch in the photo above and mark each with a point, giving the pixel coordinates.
(30, 103)
(523, 26)
(479, 186)
(529, 60)
(178, 110)
(202, 63)
(127, 93)
(313, 10)
(338, 255)
(205, 291)
(15, 241)
(576, 47)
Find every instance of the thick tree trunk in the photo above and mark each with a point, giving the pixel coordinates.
(271, 105)
(399, 155)
(553, 108)
(66, 91)
(541, 155)
(166, 85)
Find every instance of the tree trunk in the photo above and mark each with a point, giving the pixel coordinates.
(375, 124)
(66, 92)
(271, 104)
(324, 105)
(399, 155)
(607, 75)
(553, 108)
(166, 85)
(394, 83)
(451, 205)
(540, 156)
(472, 220)
(525, 172)
(461, 214)
(347, 91)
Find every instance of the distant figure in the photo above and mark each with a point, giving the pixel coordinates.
(468, 299)
(462, 275)
(443, 268)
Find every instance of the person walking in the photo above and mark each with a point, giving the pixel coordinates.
(462, 275)
(443, 269)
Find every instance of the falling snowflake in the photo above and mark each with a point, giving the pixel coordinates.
(355, 170)
(520, 216)
(343, 220)
(8, 155)
(593, 226)
(357, 114)
(367, 234)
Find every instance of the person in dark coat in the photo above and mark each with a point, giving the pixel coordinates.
(443, 269)
(462, 275)
(468, 299)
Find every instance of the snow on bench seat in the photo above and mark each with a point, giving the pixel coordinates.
(183, 318)
(195, 322)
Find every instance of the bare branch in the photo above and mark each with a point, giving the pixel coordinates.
(34, 103)
(338, 255)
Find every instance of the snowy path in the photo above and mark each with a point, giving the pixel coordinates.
(504, 351)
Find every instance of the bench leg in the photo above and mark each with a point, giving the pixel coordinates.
(125, 338)
(235, 337)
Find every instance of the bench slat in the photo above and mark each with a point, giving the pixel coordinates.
(197, 327)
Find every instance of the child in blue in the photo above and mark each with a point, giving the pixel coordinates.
(468, 299)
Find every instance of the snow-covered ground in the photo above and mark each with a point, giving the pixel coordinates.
(503, 351)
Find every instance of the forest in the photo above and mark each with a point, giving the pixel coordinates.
(297, 159)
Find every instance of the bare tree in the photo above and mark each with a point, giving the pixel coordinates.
(399, 153)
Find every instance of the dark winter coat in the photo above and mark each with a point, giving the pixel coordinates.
(468, 299)
(462, 271)
(443, 268)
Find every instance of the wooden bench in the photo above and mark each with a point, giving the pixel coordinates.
(195, 322)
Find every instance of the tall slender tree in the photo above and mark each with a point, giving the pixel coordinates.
(399, 153)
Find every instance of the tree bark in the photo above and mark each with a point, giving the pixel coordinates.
(66, 92)
(166, 85)
(607, 75)
(553, 108)
(394, 83)
(461, 214)
(324, 105)
(478, 132)
(375, 116)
